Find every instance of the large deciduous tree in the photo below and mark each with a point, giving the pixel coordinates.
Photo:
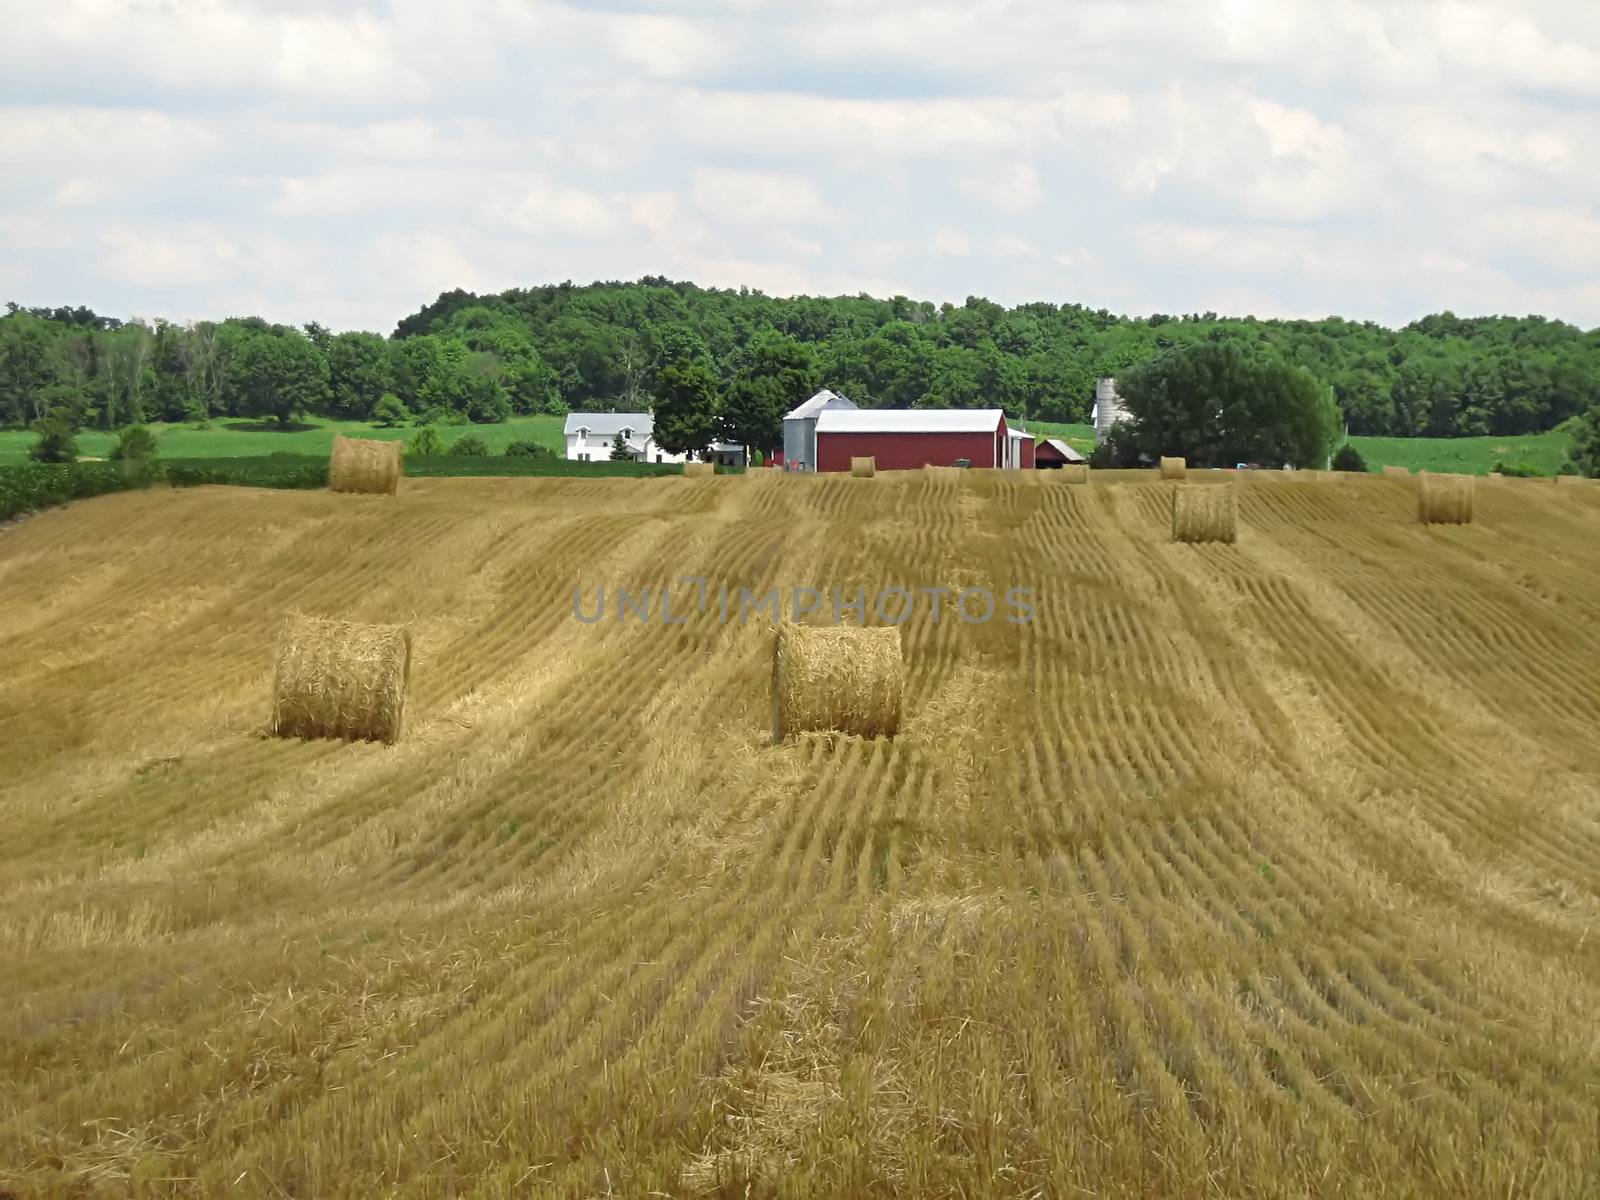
(686, 408)
(359, 373)
(1216, 405)
(276, 375)
(774, 374)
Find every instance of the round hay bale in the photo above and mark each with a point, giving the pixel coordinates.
(365, 465)
(699, 470)
(338, 679)
(1397, 473)
(1174, 468)
(1205, 514)
(836, 678)
(863, 468)
(1074, 473)
(1445, 499)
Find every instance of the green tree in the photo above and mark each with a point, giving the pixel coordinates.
(1216, 405)
(685, 408)
(1586, 443)
(278, 376)
(359, 374)
(58, 428)
(774, 374)
(470, 445)
(620, 451)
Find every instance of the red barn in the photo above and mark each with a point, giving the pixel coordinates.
(907, 439)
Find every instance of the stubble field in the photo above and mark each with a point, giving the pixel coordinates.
(1269, 869)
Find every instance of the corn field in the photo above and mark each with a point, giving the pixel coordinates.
(1268, 869)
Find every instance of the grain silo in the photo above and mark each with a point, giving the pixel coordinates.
(1107, 408)
(800, 430)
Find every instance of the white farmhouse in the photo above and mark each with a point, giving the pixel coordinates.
(590, 437)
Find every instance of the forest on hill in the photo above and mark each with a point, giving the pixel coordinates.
(604, 345)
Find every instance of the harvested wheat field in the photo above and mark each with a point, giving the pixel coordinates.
(1264, 869)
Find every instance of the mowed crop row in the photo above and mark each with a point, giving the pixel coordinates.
(1264, 869)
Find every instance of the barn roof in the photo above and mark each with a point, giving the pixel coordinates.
(909, 420)
(822, 400)
(1066, 451)
(609, 424)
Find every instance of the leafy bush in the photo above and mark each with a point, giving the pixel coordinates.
(523, 448)
(511, 467)
(470, 446)
(1586, 443)
(1348, 458)
(390, 411)
(57, 443)
(269, 471)
(490, 407)
(29, 486)
(1518, 470)
(1568, 468)
(425, 442)
(134, 444)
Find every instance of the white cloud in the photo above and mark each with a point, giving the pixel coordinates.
(345, 162)
(758, 197)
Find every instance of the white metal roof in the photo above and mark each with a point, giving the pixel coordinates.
(909, 420)
(822, 400)
(610, 424)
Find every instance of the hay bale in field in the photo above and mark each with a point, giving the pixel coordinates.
(1205, 514)
(1174, 468)
(863, 468)
(1074, 473)
(836, 678)
(1397, 473)
(365, 465)
(338, 679)
(1445, 499)
(699, 470)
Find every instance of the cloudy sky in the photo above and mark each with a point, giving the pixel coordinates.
(347, 162)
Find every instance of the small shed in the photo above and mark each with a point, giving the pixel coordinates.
(1054, 452)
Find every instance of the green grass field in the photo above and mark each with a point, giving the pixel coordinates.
(243, 439)
(1544, 452)
(246, 439)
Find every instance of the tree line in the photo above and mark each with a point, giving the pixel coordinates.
(610, 345)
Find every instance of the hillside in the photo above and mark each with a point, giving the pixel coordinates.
(545, 350)
(1274, 866)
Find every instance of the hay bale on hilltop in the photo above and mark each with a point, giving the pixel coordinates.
(365, 465)
(1399, 473)
(338, 679)
(1445, 499)
(1075, 473)
(699, 470)
(1174, 468)
(863, 468)
(1205, 513)
(836, 678)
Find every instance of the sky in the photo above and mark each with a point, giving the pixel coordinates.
(346, 162)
